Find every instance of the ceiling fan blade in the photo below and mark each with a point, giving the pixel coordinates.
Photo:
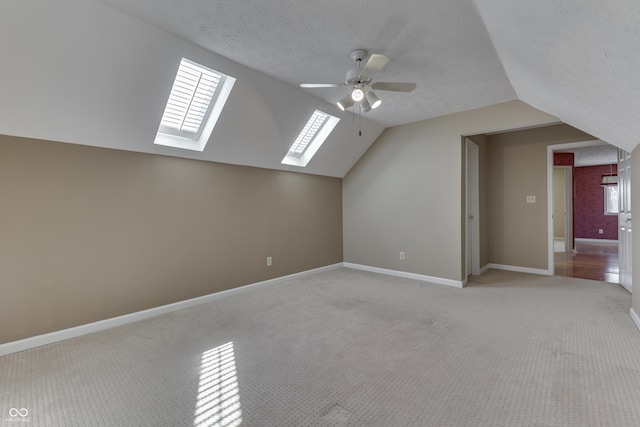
(373, 65)
(394, 87)
(317, 85)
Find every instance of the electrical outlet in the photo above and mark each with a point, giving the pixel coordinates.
(269, 261)
(600, 231)
(402, 256)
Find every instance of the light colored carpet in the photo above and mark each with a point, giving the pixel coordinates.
(350, 348)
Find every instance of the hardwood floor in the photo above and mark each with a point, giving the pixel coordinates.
(595, 261)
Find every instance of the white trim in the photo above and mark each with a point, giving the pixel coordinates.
(568, 206)
(538, 124)
(539, 271)
(596, 240)
(472, 195)
(484, 269)
(39, 340)
(404, 274)
(634, 317)
(551, 263)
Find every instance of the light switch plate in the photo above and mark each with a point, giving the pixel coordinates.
(531, 199)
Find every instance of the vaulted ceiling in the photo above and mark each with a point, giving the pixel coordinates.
(577, 60)
(441, 45)
(99, 72)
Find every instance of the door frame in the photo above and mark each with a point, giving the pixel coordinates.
(625, 245)
(472, 192)
(568, 207)
(550, 150)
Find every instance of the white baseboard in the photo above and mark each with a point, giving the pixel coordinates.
(39, 340)
(626, 286)
(430, 279)
(634, 317)
(484, 269)
(539, 271)
(596, 240)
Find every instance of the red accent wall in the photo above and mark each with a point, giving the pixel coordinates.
(563, 159)
(588, 204)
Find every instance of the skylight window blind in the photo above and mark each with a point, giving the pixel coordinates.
(307, 134)
(190, 100)
(197, 98)
(310, 139)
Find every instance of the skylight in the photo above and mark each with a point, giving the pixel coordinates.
(195, 103)
(310, 139)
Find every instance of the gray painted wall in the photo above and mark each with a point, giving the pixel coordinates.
(405, 193)
(517, 167)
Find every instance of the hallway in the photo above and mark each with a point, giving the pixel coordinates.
(591, 260)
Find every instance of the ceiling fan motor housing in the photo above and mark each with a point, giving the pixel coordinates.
(353, 78)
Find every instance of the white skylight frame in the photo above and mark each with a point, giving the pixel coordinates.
(196, 100)
(310, 139)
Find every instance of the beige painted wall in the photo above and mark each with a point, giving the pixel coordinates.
(517, 163)
(558, 201)
(405, 193)
(91, 233)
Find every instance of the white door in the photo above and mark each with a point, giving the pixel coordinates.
(624, 218)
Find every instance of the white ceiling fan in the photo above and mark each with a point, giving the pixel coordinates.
(361, 82)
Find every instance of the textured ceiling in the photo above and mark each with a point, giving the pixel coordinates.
(592, 156)
(442, 46)
(578, 60)
(598, 155)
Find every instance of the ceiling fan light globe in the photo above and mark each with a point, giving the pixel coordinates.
(345, 103)
(365, 106)
(357, 94)
(373, 99)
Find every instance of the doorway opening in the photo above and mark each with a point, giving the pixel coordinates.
(563, 209)
(583, 236)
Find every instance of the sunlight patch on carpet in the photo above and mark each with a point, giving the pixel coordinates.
(218, 403)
